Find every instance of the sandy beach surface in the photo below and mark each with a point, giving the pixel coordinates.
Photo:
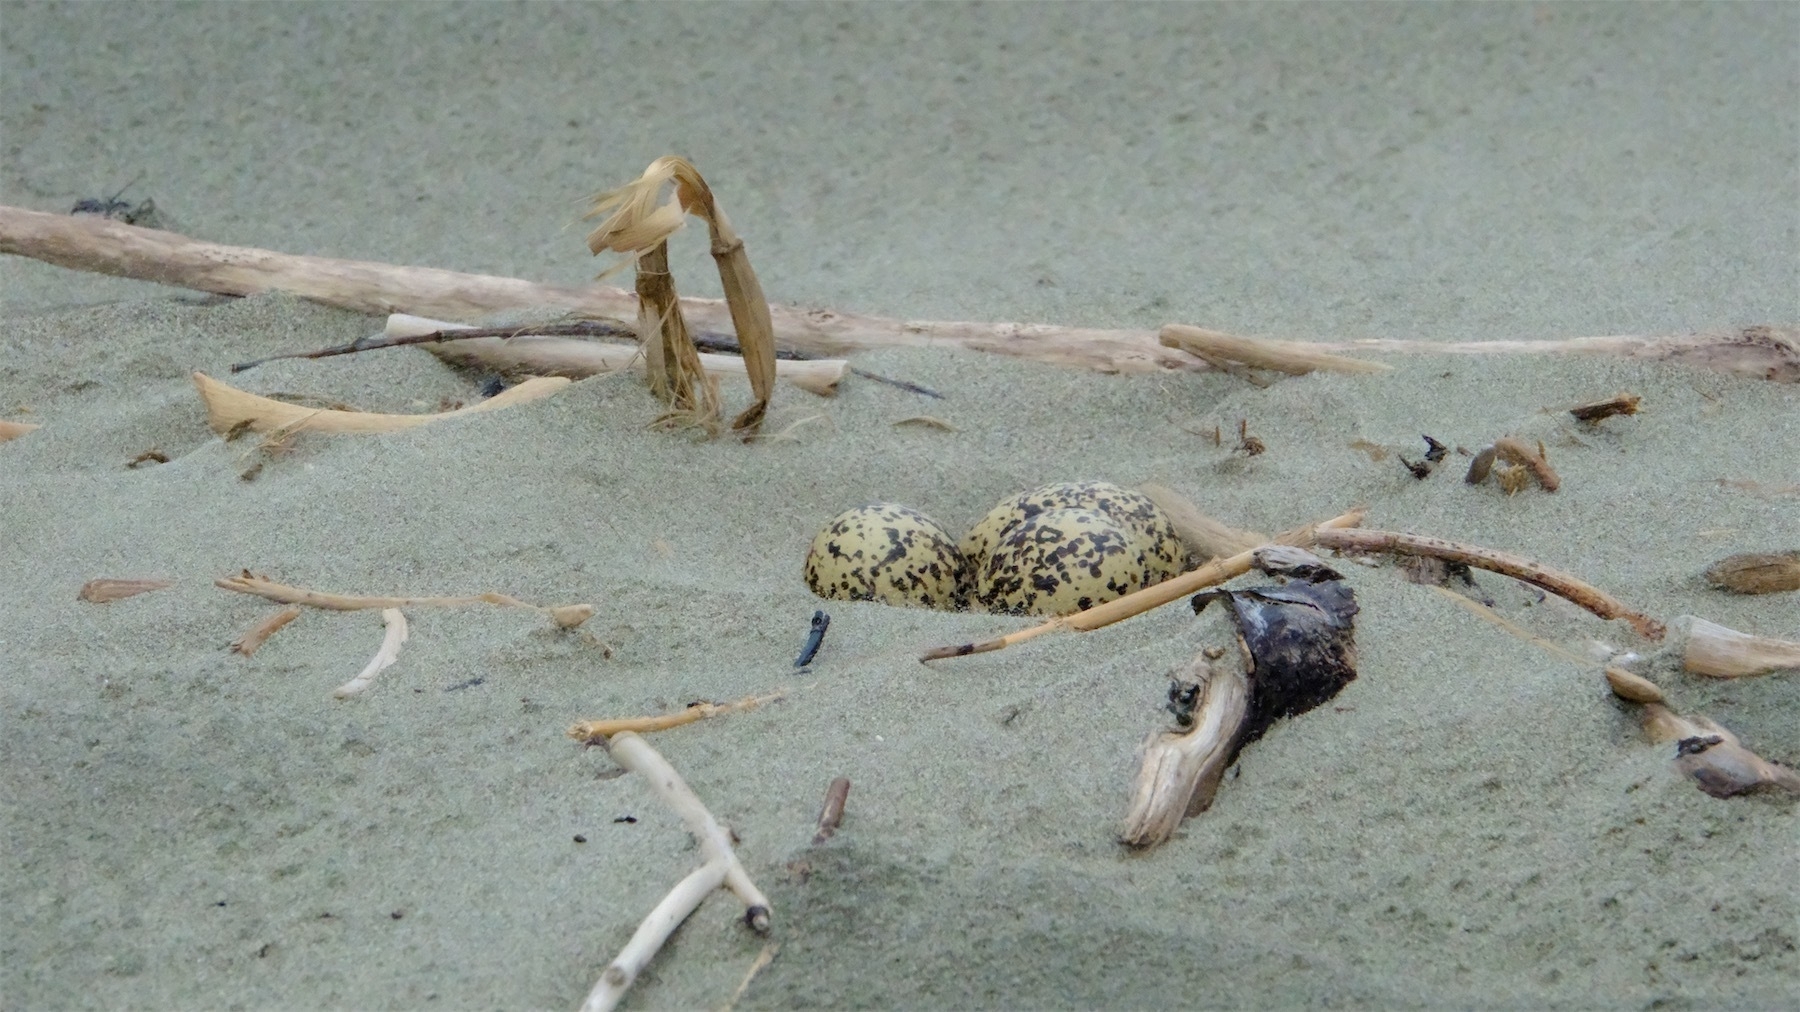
(1474, 822)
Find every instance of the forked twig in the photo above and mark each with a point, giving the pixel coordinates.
(1518, 567)
(1149, 598)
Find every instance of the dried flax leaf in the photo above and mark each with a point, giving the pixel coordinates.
(640, 224)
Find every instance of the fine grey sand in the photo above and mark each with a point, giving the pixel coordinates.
(1472, 823)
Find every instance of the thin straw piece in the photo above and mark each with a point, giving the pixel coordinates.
(384, 658)
(1518, 567)
(1149, 598)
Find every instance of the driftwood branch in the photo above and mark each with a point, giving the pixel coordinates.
(110, 247)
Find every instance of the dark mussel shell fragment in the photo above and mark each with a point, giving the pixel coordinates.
(1301, 641)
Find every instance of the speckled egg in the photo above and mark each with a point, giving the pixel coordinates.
(888, 553)
(1131, 510)
(1062, 561)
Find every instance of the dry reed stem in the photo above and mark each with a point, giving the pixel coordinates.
(1149, 598)
(395, 634)
(595, 732)
(1518, 567)
(1295, 358)
(253, 639)
(574, 358)
(566, 616)
(228, 409)
(13, 430)
(103, 590)
(102, 246)
(671, 361)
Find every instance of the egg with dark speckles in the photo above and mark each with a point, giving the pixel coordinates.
(1130, 510)
(888, 553)
(1061, 561)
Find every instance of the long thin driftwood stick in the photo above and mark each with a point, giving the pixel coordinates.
(88, 243)
(1149, 598)
(1518, 567)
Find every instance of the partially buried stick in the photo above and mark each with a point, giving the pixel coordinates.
(1518, 567)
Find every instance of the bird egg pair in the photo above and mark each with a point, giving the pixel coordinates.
(1054, 550)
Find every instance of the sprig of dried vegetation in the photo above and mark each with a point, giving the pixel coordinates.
(566, 616)
(638, 223)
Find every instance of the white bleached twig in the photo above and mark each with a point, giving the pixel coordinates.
(384, 658)
(656, 928)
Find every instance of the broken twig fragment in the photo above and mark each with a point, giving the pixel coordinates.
(13, 430)
(1623, 404)
(102, 591)
(1714, 757)
(720, 865)
(253, 639)
(1518, 567)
